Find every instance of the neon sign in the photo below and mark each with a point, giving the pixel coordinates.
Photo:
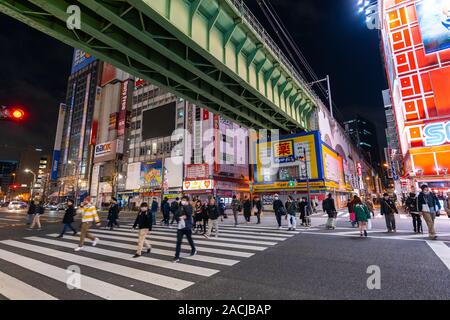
(436, 134)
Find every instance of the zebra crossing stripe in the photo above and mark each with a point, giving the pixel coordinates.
(173, 239)
(207, 272)
(169, 253)
(172, 245)
(96, 287)
(15, 289)
(136, 274)
(283, 232)
(231, 229)
(226, 235)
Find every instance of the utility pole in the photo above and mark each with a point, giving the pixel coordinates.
(305, 161)
(330, 101)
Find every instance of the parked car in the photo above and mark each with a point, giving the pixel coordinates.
(56, 206)
(4, 204)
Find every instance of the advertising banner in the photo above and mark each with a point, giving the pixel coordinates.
(55, 162)
(122, 118)
(151, 174)
(80, 60)
(198, 185)
(434, 22)
(333, 166)
(133, 181)
(197, 171)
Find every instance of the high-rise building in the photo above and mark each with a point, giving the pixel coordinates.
(364, 134)
(7, 176)
(416, 45)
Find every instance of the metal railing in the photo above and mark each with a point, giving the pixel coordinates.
(257, 27)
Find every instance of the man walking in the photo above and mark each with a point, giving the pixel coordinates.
(278, 209)
(330, 209)
(388, 209)
(113, 214)
(154, 210)
(247, 209)
(303, 208)
(236, 208)
(174, 208)
(428, 206)
(185, 224)
(165, 208)
(68, 219)
(257, 204)
(88, 216)
(144, 223)
(291, 208)
(213, 213)
(412, 207)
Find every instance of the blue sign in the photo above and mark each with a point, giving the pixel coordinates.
(434, 22)
(55, 162)
(80, 60)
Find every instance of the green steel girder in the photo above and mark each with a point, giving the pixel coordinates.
(148, 43)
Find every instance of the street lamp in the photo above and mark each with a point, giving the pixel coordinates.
(33, 183)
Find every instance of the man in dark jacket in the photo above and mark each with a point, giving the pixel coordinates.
(247, 206)
(68, 219)
(144, 223)
(258, 208)
(278, 209)
(329, 207)
(388, 209)
(165, 208)
(428, 206)
(213, 214)
(304, 211)
(184, 227)
(113, 214)
(154, 210)
(31, 212)
(412, 207)
(174, 208)
(291, 208)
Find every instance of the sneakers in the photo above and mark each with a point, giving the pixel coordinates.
(79, 248)
(149, 250)
(365, 233)
(193, 253)
(175, 260)
(75, 233)
(136, 255)
(289, 229)
(94, 243)
(279, 228)
(206, 236)
(60, 236)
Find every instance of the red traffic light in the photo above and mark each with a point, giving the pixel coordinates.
(17, 114)
(14, 186)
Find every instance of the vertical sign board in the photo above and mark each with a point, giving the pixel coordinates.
(69, 123)
(122, 118)
(58, 142)
(83, 123)
(217, 143)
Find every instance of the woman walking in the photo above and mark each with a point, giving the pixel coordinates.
(247, 205)
(68, 219)
(198, 217)
(257, 207)
(144, 222)
(37, 215)
(362, 215)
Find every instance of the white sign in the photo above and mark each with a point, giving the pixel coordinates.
(133, 176)
(103, 148)
(198, 185)
(436, 134)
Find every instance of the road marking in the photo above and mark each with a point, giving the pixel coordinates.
(96, 287)
(136, 274)
(441, 250)
(164, 231)
(15, 289)
(169, 253)
(235, 230)
(173, 239)
(6, 219)
(207, 272)
(172, 245)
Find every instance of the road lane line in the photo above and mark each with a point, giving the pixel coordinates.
(15, 289)
(207, 272)
(136, 274)
(227, 230)
(197, 257)
(441, 250)
(96, 287)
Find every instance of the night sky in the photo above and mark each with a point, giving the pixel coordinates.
(34, 67)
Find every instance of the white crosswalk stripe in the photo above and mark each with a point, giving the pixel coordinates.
(109, 271)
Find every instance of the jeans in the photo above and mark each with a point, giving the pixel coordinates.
(112, 223)
(390, 221)
(417, 222)
(166, 218)
(153, 217)
(247, 217)
(258, 217)
(180, 234)
(68, 226)
(292, 221)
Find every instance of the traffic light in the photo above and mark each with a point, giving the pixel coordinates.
(11, 113)
(14, 186)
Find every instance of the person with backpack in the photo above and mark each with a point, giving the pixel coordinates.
(235, 208)
(388, 209)
(329, 207)
(174, 208)
(362, 215)
(291, 208)
(144, 223)
(278, 209)
(68, 219)
(247, 206)
(213, 214)
(113, 214)
(412, 207)
(185, 224)
(257, 208)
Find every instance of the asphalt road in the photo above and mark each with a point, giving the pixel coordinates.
(248, 262)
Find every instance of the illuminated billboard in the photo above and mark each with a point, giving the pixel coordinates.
(80, 60)
(434, 22)
(151, 174)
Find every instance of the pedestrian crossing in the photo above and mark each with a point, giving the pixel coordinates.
(108, 271)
